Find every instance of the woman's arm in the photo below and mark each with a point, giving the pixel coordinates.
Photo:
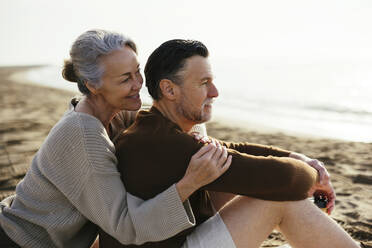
(84, 170)
(82, 165)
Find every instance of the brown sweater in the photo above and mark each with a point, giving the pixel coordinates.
(154, 153)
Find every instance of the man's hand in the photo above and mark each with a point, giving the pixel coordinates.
(327, 191)
(324, 185)
(316, 164)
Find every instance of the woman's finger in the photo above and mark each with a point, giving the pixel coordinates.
(205, 140)
(204, 150)
(196, 135)
(209, 154)
(218, 152)
(226, 165)
(223, 157)
(200, 138)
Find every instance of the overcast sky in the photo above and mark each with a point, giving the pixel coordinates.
(42, 31)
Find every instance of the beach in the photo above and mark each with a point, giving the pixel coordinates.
(29, 111)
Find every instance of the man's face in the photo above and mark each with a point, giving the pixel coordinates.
(197, 91)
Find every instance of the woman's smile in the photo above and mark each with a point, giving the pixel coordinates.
(135, 96)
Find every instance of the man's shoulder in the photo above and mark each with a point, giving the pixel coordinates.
(147, 141)
(161, 136)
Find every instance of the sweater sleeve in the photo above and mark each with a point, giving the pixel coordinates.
(268, 178)
(85, 172)
(129, 219)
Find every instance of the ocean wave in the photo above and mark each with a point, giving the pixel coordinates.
(340, 110)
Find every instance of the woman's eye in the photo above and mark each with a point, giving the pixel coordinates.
(125, 80)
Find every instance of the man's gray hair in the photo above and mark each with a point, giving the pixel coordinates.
(84, 65)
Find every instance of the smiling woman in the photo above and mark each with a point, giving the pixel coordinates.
(73, 184)
(120, 85)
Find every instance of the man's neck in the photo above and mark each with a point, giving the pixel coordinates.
(169, 111)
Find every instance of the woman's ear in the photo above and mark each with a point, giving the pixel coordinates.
(168, 89)
(91, 88)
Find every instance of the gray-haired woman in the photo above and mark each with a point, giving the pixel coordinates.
(73, 185)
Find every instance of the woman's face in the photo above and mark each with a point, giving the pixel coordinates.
(122, 80)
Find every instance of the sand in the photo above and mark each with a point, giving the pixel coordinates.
(28, 112)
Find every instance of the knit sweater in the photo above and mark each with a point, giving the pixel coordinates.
(154, 153)
(73, 185)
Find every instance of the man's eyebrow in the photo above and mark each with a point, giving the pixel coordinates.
(206, 78)
(128, 73)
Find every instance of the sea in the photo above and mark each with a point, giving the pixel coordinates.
(330, 98)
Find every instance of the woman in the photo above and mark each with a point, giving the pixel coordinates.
(73, 185)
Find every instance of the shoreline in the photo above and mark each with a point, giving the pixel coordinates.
(28, 111)
(45, 74)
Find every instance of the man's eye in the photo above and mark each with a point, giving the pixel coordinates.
(125, 80)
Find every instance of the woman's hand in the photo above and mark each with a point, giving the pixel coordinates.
(324, 185)
(201, 138)
(205, 166)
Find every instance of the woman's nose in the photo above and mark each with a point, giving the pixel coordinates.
(138, 81)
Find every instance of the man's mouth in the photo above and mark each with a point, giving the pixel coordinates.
(208, 103)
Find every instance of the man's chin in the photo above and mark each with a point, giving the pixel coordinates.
(205, 118)
(207, 115)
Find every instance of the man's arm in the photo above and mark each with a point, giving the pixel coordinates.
(151, 164)
(256, 149)
(267, 178)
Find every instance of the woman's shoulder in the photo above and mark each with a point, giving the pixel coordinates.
(78, 128)
(73, 119)
(83, 122)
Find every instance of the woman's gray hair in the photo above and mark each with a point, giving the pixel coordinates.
(84, 64)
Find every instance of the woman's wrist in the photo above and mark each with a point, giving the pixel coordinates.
(185, 189)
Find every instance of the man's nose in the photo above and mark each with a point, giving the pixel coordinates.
(212, 92)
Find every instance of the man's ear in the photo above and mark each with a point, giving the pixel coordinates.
(91, 88)
(168, 89)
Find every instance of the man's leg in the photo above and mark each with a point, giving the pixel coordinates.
(250, 221)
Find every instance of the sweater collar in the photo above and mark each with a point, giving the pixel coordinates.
(153, 110)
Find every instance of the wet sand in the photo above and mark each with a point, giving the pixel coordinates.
(28, 112)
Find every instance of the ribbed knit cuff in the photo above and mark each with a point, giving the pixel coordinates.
(158, 218)
(180, 214)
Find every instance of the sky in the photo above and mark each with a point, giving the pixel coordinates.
(42, 31)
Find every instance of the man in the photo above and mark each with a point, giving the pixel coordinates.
(274, 187)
